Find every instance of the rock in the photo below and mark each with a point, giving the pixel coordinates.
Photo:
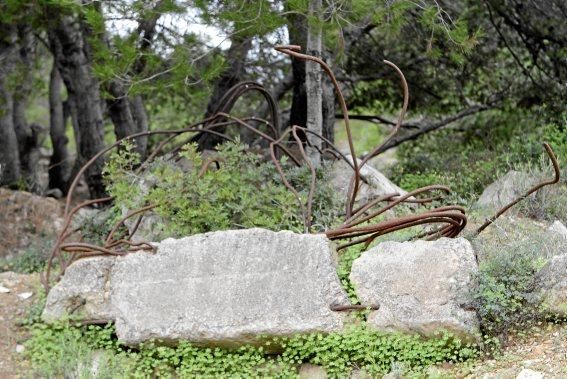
(374, 183)
(82, 292)
(221, 288)
(25, 295)
(558, 229)
(55, 193)
(360, 374)
(420, 286)
(551, 282)
(20, 349)
(27, 220)
(505, 190)
(309, 371)
(4, 289)
(529, 374)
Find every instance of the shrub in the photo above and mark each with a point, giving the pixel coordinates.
(242, 192)
(506, 296)
(471, 156)
(31, 259)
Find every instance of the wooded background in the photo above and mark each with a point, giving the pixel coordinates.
(76, 75)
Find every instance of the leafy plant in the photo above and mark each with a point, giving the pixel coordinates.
(346, 259)
(506, 296)
(30, 260)
(462, 159)
(65, 348)
(234, 189)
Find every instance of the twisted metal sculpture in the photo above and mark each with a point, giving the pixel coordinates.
(360, 224)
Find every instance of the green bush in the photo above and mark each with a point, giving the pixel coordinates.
(65, 349)
(241, 192)
(30, 260)
(472, 155)
(506, 296)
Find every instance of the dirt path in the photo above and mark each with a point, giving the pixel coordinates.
(17, 294)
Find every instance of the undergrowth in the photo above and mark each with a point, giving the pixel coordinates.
(457, 157)
(346, 258)
(506, 295)
(31, 259)
(241, 191)
(68, 349)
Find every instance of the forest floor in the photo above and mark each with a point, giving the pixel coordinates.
(18, 293)
(542, 349)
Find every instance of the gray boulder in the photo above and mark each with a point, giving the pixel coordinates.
(82, 292)
(420, 286)
(552, 284)
(558, 229)
(220, 288)
(374, 183)
(506, 189)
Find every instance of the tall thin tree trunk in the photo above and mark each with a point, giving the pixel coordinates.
(68, 38)
(328, 103)
(10, 173)
(313, 86)
(140, 116)
(59, 162)
(118, 108)
(128, 113)
(298, 31)
(298, 36)
(28, 137)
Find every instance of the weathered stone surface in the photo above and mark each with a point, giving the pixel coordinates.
(309, 371)
(505, 190)
(420, 286)
(558, 229)
(221, 288)
(552, 283)
(82, 292)
(374, 182)
(529, 374)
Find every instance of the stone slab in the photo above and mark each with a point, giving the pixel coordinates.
(221, 288)
(420, 286)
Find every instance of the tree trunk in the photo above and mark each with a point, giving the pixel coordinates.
(328, 91)
(298, 36)
(28, 137)
(235, 57)
(140, 116)
(313, 88)
(298, 31)
(68, 39)
(10, 173)
(59, 163)
(118, 108)
(128, 114)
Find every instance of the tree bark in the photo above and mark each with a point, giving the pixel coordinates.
(59, 162)
(140, 116)
(313, 87)
(298, 31)
(10, 173)
(68, 39)
(28, 137)
(328, 91)
(298, 36)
